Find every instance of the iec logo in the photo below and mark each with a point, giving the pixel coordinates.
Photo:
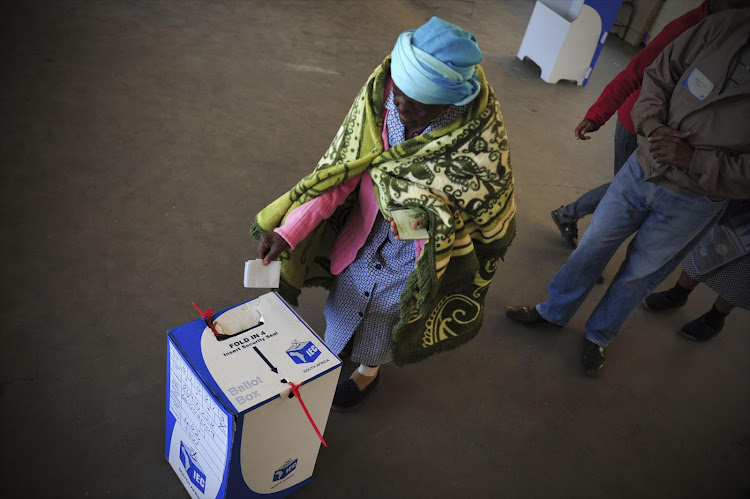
(303, 353)
(189, 461)
(285, 470)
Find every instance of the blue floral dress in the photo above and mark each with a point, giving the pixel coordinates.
(364, 300)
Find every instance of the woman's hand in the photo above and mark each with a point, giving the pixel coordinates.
(394, 229)
(271, 245)
(417, 224)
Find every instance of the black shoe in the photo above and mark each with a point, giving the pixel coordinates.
(700, 330)
(656, 302)
(348, 396)
(593, 359)
(568, 231)
(528, 314)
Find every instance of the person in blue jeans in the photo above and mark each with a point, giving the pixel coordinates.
(566, 217)
(619, 96)
(693, 154)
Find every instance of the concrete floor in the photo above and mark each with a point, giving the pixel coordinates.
(138, 140)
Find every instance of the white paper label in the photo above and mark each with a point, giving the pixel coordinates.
(198, 448)
(698, 84)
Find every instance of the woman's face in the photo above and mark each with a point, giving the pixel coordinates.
(414, 114)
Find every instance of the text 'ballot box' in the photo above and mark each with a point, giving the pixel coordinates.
(232, 429)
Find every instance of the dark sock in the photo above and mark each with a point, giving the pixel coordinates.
(714, 318)
(678, 294)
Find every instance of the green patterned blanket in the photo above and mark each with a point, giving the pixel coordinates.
(459, 176)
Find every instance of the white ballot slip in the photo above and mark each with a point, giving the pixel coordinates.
(258, 275)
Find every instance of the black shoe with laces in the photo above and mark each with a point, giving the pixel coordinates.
(527, 314)
(568, 231)
(593, 358)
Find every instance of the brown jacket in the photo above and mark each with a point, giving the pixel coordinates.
(719, 124)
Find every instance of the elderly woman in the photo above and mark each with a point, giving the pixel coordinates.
(425, 133)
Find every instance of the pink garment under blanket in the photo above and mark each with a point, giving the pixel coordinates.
(303, 219)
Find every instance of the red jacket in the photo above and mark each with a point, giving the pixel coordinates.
(622, 92)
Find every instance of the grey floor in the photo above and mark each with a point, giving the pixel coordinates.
(138, 140)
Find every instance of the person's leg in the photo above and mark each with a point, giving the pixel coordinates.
(675, 224)
(709, 324)
(567, 216)
(625, 144)
(722, 305)
(381, 271)
(584, 205)
(687, 282)
(364, 375)
(618, 216)
(674, 297)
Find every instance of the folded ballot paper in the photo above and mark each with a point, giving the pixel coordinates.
(258, 275)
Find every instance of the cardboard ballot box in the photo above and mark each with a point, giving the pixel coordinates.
(232, 429)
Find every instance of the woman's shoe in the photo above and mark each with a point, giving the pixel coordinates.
(700, 330)
(662, 300)
(348, 396)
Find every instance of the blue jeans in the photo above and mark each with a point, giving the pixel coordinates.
(668, 225)
(625, 144)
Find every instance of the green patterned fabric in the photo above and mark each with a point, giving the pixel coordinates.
(459, 176)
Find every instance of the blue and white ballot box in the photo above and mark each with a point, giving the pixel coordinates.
(232, 429)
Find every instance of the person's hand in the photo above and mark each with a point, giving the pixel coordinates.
(417, 224)
(585, 127)
(394, 229)
(271, 245)
(669, 147)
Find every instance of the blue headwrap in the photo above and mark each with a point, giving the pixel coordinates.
(435, 63)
